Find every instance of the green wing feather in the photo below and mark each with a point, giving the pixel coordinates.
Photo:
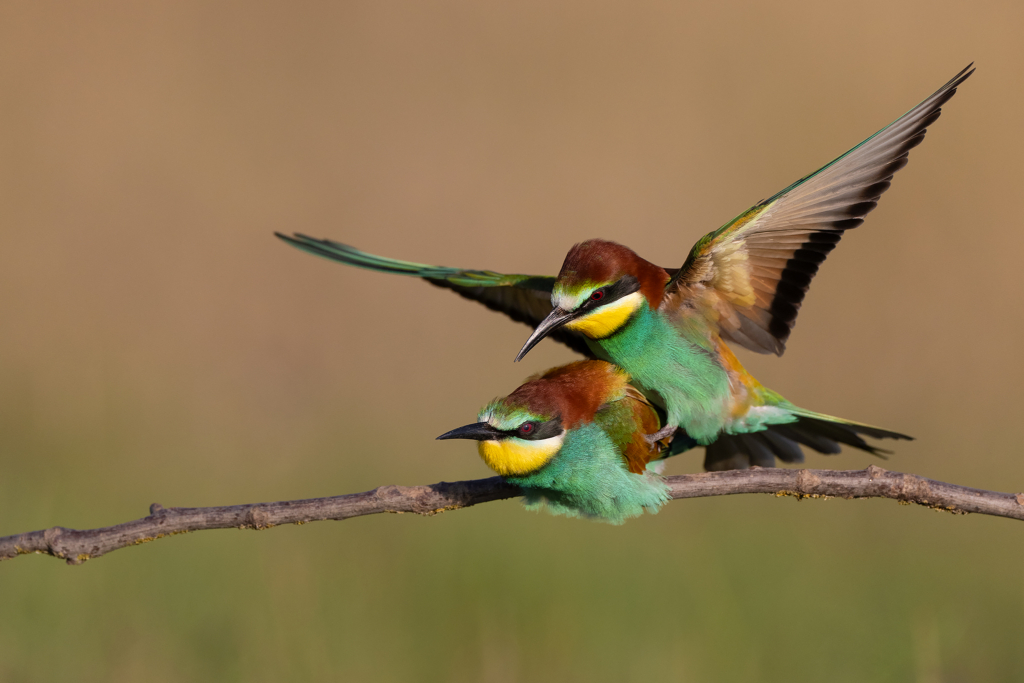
(755, 270)
(524, 298)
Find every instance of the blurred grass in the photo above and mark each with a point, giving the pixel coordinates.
(158, 345)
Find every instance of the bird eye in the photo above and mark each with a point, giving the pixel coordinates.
(597, 295)
(527, 428)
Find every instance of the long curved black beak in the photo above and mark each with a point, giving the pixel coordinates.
(556, 318)
(479, 431)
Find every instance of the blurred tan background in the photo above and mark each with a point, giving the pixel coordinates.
(157, 344)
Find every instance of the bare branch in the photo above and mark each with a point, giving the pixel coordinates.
(874, 482)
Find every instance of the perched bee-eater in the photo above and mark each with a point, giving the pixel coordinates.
(668, 327)
(575, 438)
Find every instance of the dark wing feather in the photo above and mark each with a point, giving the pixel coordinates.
(817, 432)
(524, 298)
(755, 270)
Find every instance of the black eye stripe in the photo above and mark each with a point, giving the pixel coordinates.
(613, 292)
(541, 430)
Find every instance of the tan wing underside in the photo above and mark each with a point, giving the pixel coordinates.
(751, 276)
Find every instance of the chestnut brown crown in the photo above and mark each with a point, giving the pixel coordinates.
(601, 262)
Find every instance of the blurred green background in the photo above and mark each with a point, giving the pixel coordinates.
(158, 345)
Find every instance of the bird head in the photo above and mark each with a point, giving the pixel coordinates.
(599, 288)
(522, 432)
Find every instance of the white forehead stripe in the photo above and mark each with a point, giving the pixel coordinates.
(570, 302)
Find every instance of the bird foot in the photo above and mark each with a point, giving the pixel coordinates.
(657, 436)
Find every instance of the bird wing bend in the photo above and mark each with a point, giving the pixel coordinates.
(524, 298)
(754, 271)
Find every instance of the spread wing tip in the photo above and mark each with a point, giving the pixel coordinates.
(787, 236)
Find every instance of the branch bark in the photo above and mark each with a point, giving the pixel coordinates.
(77, 546)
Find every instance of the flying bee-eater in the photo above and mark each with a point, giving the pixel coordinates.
(668, 327)
(575, 438)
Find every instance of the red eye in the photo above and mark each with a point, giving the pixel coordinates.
(597, 295)
(526, 428)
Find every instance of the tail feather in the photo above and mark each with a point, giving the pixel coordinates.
(787, 450)
(813, 441)
(821, 433)
(742, 451)
(728, 452)
(760, 450)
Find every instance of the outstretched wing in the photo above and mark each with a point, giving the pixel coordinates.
(524, 298)
(755, 270)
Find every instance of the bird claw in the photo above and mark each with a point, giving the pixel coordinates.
(657, 436)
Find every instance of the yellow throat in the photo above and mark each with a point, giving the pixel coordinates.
(605, 321)
(514, 457)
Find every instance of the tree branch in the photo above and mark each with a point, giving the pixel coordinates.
(874, 482)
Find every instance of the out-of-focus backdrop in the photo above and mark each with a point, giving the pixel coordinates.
(157, 344)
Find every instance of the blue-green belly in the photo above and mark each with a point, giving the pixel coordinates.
(589, 478)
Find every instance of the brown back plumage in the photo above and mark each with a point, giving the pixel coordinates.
(638, 452)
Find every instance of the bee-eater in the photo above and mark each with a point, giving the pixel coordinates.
(575, 438)
(668, 327)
